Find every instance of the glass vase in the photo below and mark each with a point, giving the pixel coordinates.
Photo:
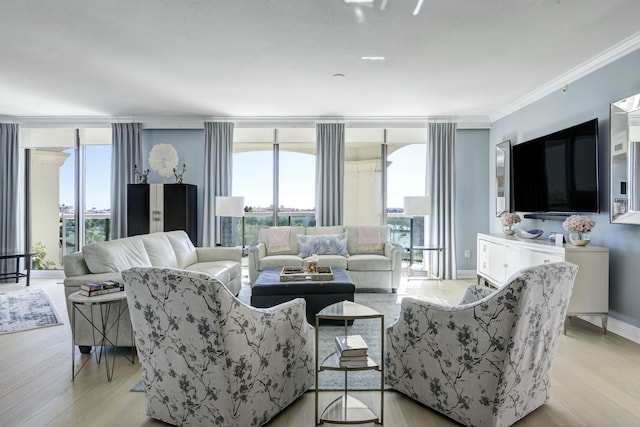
(508, 230)
(578, 238)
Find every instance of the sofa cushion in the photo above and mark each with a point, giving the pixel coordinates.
(74, 264)
(356, 248)
(337, 261)
(159, 249)
(327, 244)
(279, 261)
(184, 249)
(116, 255)
(369, 263)
(263, 237)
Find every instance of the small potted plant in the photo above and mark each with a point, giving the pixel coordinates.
(579, 228)
(508, 220)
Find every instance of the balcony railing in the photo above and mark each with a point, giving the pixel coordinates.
(97, 228)
(400, 226)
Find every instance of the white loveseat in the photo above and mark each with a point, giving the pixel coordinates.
(372, 263)
(106, 260)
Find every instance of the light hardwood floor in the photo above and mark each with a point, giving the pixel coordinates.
(596, 380)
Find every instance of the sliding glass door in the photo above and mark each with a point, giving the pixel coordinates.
(69, 191)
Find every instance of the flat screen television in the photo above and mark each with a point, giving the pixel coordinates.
(557, 173)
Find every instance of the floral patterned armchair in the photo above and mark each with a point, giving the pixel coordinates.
(486, 361)
(207, 358)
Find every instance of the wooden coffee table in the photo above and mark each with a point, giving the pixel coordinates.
(268, 291)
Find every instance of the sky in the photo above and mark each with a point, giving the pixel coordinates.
(98, 171)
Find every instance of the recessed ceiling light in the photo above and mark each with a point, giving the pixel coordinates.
(338, 75)
(373, 58)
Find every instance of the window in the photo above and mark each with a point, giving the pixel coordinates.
(68, 168)
(296, 177)
(406, 176)
(253, 180)
(274, 170)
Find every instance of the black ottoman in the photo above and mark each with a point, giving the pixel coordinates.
(268, 291)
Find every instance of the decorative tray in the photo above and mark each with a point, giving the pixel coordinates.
(295, 274)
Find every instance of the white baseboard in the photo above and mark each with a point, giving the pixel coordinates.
(47, 274)
(467, 274)
(617, 327)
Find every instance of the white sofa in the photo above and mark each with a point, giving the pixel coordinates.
(371, 265)
(106, 260)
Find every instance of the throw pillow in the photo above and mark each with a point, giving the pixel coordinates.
(329, 244)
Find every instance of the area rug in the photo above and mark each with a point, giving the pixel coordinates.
(27, 309)
(386, 303)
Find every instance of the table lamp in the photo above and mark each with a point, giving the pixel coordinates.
(231, 207)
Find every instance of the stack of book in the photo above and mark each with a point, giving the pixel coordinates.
(351, 351)
(106, 287)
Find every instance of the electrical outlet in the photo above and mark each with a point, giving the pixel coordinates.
(467, 253)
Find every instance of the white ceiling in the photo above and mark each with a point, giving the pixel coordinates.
(267, 59)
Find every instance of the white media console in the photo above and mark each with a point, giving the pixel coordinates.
(500, 256)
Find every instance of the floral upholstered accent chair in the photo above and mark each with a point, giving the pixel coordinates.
(208, 359)
(486, 361)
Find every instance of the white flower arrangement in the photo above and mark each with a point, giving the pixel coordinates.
(163, 159)
(508, 219)
(578, 224)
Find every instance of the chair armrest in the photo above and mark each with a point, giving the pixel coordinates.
(217, 253)
(269, 352)
(459, 349)
(282, 322)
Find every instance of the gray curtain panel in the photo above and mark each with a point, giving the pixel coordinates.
(218, 159)
(126, 152)
(330, 155)
(9, 209)
(441, 187)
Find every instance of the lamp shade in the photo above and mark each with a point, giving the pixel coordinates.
(417, 205)
(229, 206)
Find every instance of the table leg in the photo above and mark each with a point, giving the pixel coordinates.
(73, 341)
(28, 266)
(73, 345)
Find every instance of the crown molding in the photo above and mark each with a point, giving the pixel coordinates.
(197, 122)
(610, 55)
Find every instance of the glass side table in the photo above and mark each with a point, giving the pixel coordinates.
(347, 409)
(101, 325)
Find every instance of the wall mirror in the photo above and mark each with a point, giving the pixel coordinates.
(503, 177)
(624, 206)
